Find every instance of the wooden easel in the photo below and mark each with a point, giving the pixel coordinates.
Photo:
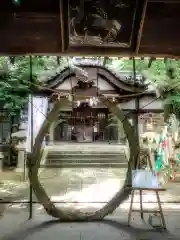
(140, 190)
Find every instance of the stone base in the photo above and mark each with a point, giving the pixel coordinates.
(1, 165)
(22, 175)
(20, 170)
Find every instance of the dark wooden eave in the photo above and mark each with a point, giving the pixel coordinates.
(114, 78)
(41, 28)
(121, 85)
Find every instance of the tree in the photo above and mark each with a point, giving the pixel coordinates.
(163, 74)
(19, 77)
(17, 80)
(166, 78)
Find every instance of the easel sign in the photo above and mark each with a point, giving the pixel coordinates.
(144, 179)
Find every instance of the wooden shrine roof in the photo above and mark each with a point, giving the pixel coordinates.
(124, 27)
(123, 84)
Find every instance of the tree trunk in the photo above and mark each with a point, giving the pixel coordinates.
(115, 201)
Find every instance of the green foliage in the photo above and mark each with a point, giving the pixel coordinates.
(172, 105)
(158, 71)
(15, 85)
(163, 74)
(16, 82)
(127, 65)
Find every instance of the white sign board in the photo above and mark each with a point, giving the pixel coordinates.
(144, 179)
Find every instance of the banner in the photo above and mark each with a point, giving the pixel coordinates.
(39, 107)
(164, 150)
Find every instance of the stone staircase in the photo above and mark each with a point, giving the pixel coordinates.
(84, 156)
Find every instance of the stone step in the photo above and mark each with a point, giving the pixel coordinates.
(88, 159)
(116, 157)
(84, 165)
(85, 156)
(94, 160)
(84, 151)
(86, 148)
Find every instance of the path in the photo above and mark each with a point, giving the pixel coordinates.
(98, 187)
(114, 227)
(83, 186)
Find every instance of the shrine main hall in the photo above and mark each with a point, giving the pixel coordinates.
(88, 120)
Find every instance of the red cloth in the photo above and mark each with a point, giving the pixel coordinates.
(164, 143)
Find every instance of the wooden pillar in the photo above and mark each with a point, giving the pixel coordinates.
(136, 116)
(140, 127)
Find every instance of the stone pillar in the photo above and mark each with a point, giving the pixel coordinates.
(21, 161)
(1, 161)
(51, 133)
(121, 132)
(140, 128)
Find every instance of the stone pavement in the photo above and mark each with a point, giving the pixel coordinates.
(15, 226)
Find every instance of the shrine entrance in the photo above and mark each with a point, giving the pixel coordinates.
(84, 124)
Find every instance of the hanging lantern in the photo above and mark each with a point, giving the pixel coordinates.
(16, 2)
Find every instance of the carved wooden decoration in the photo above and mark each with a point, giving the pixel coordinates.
(101, 23)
